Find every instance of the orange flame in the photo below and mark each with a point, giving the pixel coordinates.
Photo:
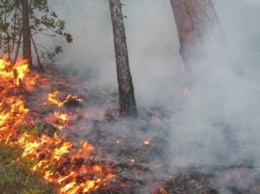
(62, 120)
(16, 72)
(61, 116)
(53, 157)
(52, 98)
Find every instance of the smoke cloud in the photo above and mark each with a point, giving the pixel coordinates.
(218, 122)
(220, 119)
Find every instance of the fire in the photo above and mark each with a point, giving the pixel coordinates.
(21, 72)
(119, 141)
(72, 97)
(61, 116)
(53, 98)
(147, 142)
(62, 120)
(55, 158)
(14, 72)
(5, 73)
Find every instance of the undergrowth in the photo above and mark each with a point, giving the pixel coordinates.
(16, 179)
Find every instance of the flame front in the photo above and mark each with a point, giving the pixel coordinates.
(58, 160)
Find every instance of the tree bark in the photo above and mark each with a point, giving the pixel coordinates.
(199, 30)
(127, 101)
(26, 32)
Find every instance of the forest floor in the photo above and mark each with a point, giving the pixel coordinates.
(16, 178)
(134, 150)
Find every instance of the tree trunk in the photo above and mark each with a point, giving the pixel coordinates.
(26, 32)
(199, 30)
(125, 85)
(37, 55)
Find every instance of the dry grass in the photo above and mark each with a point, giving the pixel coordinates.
(15, 179)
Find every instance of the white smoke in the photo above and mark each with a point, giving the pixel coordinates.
(219, 120)
(219, 123)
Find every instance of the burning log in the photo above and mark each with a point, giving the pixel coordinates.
(72, 100)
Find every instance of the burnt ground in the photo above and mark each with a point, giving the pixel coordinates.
(140, 166)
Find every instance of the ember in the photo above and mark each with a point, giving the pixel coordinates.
(147, 142)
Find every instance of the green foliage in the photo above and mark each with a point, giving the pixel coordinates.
(16, 179)
(32, 130)
(52, 52)
(43, 22)
(4, 26)
(9, 26)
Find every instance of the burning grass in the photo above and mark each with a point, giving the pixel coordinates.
(53, 157)
(16, 178)
(62, 136)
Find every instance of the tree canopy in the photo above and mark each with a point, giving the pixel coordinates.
(42, 22)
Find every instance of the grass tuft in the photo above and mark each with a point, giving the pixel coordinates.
(16, 179)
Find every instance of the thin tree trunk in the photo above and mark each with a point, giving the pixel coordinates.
(17, 49)
(15, 26)
(7, 37)
(26, 32)
(127, 101)
(37, 55)
(199, 30)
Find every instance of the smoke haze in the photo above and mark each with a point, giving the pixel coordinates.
(218, 123)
